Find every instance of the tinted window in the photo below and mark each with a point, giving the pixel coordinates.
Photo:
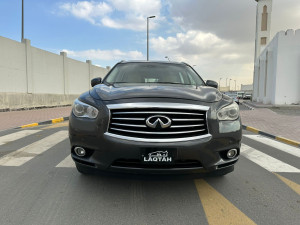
(154, 73)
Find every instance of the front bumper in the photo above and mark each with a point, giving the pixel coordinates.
(109, 153)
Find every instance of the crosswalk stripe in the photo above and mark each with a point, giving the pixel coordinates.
(217, 208)
(67, 162)
(15, 136)
(23, 155)
(268, 162)
(275, 144)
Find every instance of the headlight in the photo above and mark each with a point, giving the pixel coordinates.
(230, 112)
(81, 109)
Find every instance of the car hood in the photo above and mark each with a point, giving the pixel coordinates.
(122, 91)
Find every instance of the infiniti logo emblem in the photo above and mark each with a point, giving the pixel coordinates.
(158, 122)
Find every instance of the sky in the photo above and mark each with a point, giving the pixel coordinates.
(216, 37)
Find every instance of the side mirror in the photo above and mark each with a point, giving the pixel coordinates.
(212, 83)
(96, 81)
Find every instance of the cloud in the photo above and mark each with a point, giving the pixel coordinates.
(230, 19)
(97, 54)
(230, 25)
(212, 55)
(89, 11)
(192, 43)
(138, 7)
(117, 14)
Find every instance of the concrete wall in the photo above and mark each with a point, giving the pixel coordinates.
(12, 66)
(32, 77)
(277, 70)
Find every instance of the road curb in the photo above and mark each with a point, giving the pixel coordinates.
(278, 138)
(56, 120)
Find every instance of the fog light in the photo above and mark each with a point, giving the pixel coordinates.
(231, 153)
(79, 151)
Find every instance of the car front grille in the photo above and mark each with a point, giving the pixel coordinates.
(129, 121)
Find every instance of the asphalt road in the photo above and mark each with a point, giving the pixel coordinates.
(40, 185)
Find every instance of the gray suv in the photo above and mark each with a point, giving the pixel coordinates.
(154, 117)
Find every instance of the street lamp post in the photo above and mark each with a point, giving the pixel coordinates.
(22, 37)
(149, 17)
(229, 84)
(226, 82)
(235, 85)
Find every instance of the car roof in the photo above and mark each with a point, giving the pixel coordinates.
(152, 61)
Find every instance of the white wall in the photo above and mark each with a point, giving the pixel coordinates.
(12, 66)
(47, 72)
(31, 71)
(288, 69)
(78, 82)
(277, 70)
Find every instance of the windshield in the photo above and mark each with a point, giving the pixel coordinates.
(154, 73)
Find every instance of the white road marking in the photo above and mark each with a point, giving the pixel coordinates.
(17, 135)
(276, 144)
(67, 162)
(23, 155)
(268, 162)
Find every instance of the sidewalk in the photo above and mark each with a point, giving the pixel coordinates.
(266, 120)
(263, 119)
(18, 118)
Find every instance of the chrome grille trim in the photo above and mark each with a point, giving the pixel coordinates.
(157, 112)
(170, 140)
(182, 126)
(128, 125)
(138, 105)
(128, 118)
(128, 121)
(188, 119)
(145, 132)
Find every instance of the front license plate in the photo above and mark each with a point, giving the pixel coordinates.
(159, 155)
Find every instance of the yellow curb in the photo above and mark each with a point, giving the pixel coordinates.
(30, 125)
(57, 120)
(252, 129)
(288, 141)
(56, 125)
